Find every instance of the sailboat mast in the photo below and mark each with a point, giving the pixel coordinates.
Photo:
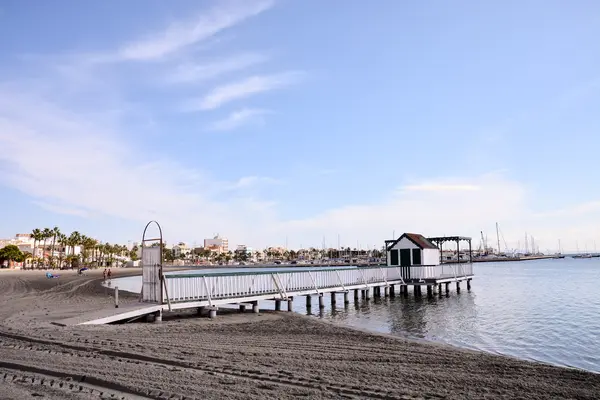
(498, 237)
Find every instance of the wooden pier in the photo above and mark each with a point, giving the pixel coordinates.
(208, 291)
(413, 261)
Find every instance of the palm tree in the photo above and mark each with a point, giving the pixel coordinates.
(55, 232)
(73, 240)
(63, 242)
(36, 234)
(89, 246)
(46, 234)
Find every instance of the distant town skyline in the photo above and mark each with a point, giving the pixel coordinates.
(275, 122)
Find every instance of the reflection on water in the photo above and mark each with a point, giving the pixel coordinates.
(544, 310)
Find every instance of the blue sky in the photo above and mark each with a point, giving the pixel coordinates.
(266, 119)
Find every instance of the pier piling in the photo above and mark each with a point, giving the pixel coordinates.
(355, 295)
(404, 290)
(290, 304)
(386, 291)
(346, 299)
(212, 312)
(321, 301)
(308, 301)
(242, 308)
(392, 291)
(158, 316)
(447, 288)
(333, 298)
(468, 284)
(255, 307)
(457, 287)
(429, 291)
(368, 293)
(277, 305)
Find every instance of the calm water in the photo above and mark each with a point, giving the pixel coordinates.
(545, 310)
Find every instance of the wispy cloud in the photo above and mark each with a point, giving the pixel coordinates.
(183, 34)
(253, 181)
(60, 209)
(575, 210)
(190, 72)
(440, 188)
(242, 89)
(238, 119)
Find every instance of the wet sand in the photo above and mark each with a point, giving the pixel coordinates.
(237, 356)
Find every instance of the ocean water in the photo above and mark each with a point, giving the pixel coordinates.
(544, 310)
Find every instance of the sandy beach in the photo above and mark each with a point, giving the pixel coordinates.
(237, 356)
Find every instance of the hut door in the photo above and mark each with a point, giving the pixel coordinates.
(405, 263)
(394, 257)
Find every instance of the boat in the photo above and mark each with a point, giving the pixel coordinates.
(559, 254)
(588, 255)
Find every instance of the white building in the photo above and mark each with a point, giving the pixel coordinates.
(217, 244)
(412, 249)
(181, 249)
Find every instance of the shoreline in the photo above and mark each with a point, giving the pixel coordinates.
(269, 355)
(408, 336)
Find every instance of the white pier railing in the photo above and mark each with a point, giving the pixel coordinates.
(214, 286)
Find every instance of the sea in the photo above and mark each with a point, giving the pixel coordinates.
(542, 310)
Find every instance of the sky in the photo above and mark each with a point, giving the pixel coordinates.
(275, 122)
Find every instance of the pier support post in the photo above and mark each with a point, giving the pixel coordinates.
(212, 312)
(404, 290)
(290, 303)
(321, 302)
(468, 284)
(429, 291)
(376, 291)
(200, 311)
(346, 299)
(368, 293)
(333, 298)
(392, 291)
(255, 307)
(363, 293)
(308, 301)
(158, 316)
(440, 289)
(277, 305)
(457, 287)
(417, 289)
(447, 288)
(242, 308)
(386, 291)
(355, 295)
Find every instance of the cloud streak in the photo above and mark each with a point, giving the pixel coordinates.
(194, 73)
(441, 188)
(239, 118)
(242, 89)
(184, 34)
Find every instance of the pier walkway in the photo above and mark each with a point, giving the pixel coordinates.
(208, 291)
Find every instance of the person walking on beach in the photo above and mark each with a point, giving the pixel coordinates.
(104, 274)
(109, 274)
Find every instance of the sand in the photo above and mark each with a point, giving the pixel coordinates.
(237, 356)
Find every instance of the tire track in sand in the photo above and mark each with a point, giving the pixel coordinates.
(281, 377)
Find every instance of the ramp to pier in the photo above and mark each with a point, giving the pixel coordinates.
(110, 315)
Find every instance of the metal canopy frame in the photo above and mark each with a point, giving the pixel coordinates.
(439, 242)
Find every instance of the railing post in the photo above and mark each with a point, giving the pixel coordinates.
(207, 291)
(314, 282)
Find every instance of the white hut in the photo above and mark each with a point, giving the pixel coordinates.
(412, 249)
